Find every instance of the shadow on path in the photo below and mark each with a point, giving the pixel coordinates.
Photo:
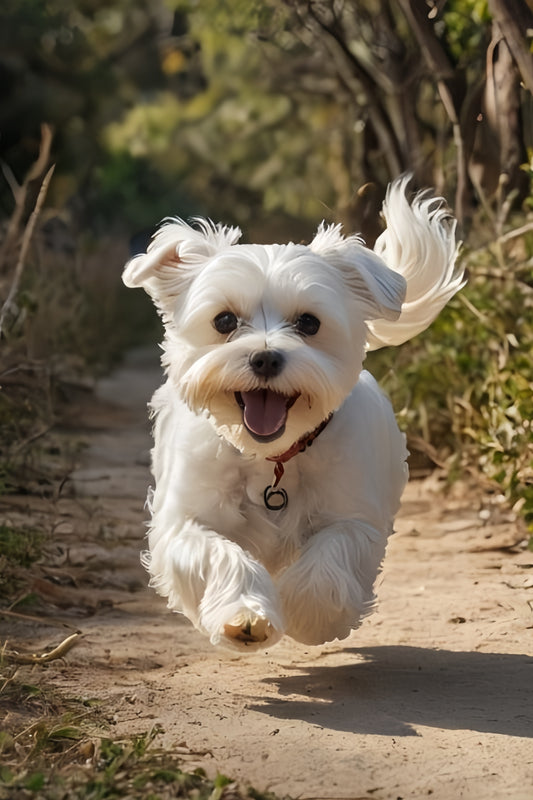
(390, 690)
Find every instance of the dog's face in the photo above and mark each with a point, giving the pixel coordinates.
(267, 340)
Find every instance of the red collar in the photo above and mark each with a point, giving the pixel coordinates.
(298, 447)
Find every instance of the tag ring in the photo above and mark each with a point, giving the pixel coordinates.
(275, 499)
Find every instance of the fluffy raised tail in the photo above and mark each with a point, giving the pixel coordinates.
(419, 243)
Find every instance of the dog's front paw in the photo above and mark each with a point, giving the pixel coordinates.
(320, 609)
(240, 606)
(328, 590)
(249, 629)
(320, 627)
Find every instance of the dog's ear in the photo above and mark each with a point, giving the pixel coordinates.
(379, 289)
(175, 253)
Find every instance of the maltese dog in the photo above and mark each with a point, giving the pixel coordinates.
(278, 464)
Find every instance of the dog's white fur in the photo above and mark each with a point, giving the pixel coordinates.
(242, 573)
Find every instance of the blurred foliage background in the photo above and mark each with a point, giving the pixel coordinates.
(274, 115)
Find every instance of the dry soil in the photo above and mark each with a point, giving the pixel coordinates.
(432, 696)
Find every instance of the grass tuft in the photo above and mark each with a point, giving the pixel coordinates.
(62, 756)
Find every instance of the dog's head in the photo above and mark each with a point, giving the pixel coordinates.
(267, 340)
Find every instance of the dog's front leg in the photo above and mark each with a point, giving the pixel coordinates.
(327, 591)
(226, 593)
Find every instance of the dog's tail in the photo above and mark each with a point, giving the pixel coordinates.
(419, 243)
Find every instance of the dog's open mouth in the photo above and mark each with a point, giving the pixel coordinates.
(265, 412)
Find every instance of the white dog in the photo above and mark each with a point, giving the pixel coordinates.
(255, 533)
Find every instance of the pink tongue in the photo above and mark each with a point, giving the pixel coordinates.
(265, 412)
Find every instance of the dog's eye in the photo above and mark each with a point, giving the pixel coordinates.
(307, 324)
(226, 322)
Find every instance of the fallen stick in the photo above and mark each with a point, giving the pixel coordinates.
(42, 658)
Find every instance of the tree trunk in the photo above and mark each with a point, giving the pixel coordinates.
(514, 18)
(499, 152)
(451, 85)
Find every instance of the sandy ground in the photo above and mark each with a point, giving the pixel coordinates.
(433, 696)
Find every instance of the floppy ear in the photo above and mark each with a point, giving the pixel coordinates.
(379, 290)
(174, 252)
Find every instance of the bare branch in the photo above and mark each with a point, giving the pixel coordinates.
(20, 192)
(353, 75)
(26, 239)
(451, 87)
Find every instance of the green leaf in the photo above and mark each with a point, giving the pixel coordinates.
(34, 782)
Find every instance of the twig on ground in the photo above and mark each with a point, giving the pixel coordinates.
(42, 658)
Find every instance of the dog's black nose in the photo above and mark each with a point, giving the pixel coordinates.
(267, 363)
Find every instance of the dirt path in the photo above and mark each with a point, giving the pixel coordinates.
(431, 697)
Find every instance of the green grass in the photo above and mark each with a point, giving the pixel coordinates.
(63, 753)
(19, 548)
(22, 546)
